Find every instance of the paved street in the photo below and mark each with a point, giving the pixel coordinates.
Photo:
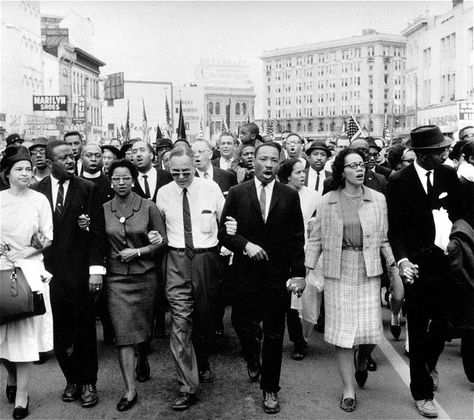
(310, 388)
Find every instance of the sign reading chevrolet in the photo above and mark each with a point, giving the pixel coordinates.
(49, 103)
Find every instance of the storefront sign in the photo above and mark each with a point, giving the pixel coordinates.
(49, 103)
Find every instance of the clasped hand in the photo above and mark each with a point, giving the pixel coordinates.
(296, 285)
(408, 271)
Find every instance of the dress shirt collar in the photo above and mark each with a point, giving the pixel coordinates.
(259, 184)
(147, 172)
(88, 175)
(55, 182)
(210, 172)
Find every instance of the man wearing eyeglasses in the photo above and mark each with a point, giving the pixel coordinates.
(372, 159)
(191, 207)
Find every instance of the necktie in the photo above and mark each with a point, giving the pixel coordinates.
(263, 201)
(60, 200)
(317, 182)
(147, 187)
(188, 230)
(429, 185)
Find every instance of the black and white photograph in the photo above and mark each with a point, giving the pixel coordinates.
(216, 209)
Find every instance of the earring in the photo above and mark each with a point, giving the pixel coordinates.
(133, 184)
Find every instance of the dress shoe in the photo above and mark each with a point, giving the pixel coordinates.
(360, 375)
(11, 393)
(124, 404)
(89, 395)
(371, 365)
(435, 376)
(184, 401)
(21, 412)
(206, 376)
(348, 404)
(395, 325)
(271, 404)
(71, 393)
(253, 369)
(426, 408)
(143, 368)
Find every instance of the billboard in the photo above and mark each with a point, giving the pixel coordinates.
(49, 103)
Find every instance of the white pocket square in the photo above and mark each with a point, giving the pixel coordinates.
(442, 195)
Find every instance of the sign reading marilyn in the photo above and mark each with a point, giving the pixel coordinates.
(49, 103)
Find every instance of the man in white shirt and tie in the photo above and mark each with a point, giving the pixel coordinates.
(227, 147)
(191, 207)
(318, 154)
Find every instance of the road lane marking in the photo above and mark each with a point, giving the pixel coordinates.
(403, 370)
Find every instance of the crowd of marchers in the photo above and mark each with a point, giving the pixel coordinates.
(282, 230)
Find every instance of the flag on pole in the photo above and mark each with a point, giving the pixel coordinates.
(126, 132)
(227, 117)
(343, 130)
(118, 133)
(385, 130)
(159, 134)
(146, 135)
(262, 128)
(168, 117)
(181, 127)
(353, 128)
(224, 126)
(248, 118)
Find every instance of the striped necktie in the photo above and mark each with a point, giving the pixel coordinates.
(188, 230)
(60, 200)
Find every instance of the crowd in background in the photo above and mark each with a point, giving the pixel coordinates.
(282, 229)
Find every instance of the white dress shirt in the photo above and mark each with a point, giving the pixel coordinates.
(55, 188)
(268, 194)
(210, 173)
(151, 179)
(205, 204)
(312, 177)
(225, 163)
(421, 172)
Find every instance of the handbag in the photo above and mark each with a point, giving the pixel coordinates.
(17, 300)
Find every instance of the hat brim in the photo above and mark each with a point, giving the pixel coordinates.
(441, 145)
(328, 152)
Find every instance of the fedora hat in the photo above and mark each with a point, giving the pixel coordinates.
(318, 145)
(427, 137)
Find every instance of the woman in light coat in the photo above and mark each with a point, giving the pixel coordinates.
(351, 230)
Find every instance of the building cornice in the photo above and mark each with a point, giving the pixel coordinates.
(337, 44)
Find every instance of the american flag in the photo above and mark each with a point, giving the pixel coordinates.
(168, 116)
(126, 132)
(385, 130)
(353, 129)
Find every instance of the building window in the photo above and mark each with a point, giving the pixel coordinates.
(371, 79)
(218, 108)
(237, 109)
(210, 108)
(244, 108)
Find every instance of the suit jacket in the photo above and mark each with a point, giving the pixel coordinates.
(382, 170)
(282, 236)
(162, 178)
(327, 235)
(372, 180)
(105, 191)
(73, 250)
(411, 224)
(225, 179)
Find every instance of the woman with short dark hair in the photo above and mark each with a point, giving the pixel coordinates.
(131, 281)
(350, 219)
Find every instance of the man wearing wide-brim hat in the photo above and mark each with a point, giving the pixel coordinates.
(413, 193)
(318, 154)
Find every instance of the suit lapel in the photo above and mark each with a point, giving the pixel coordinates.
(71, 192)
(252, 193)
(275, 197)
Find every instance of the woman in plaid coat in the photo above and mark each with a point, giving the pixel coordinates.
(351, 230)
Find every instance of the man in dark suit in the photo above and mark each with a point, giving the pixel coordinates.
(413, 193)
(150, 179)
(372, 158)
(202, 152)
(91, 157)
(268, 250)
(318, 154)
(227, 147)
(76, 260)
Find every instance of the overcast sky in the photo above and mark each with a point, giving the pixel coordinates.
(164, 41)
